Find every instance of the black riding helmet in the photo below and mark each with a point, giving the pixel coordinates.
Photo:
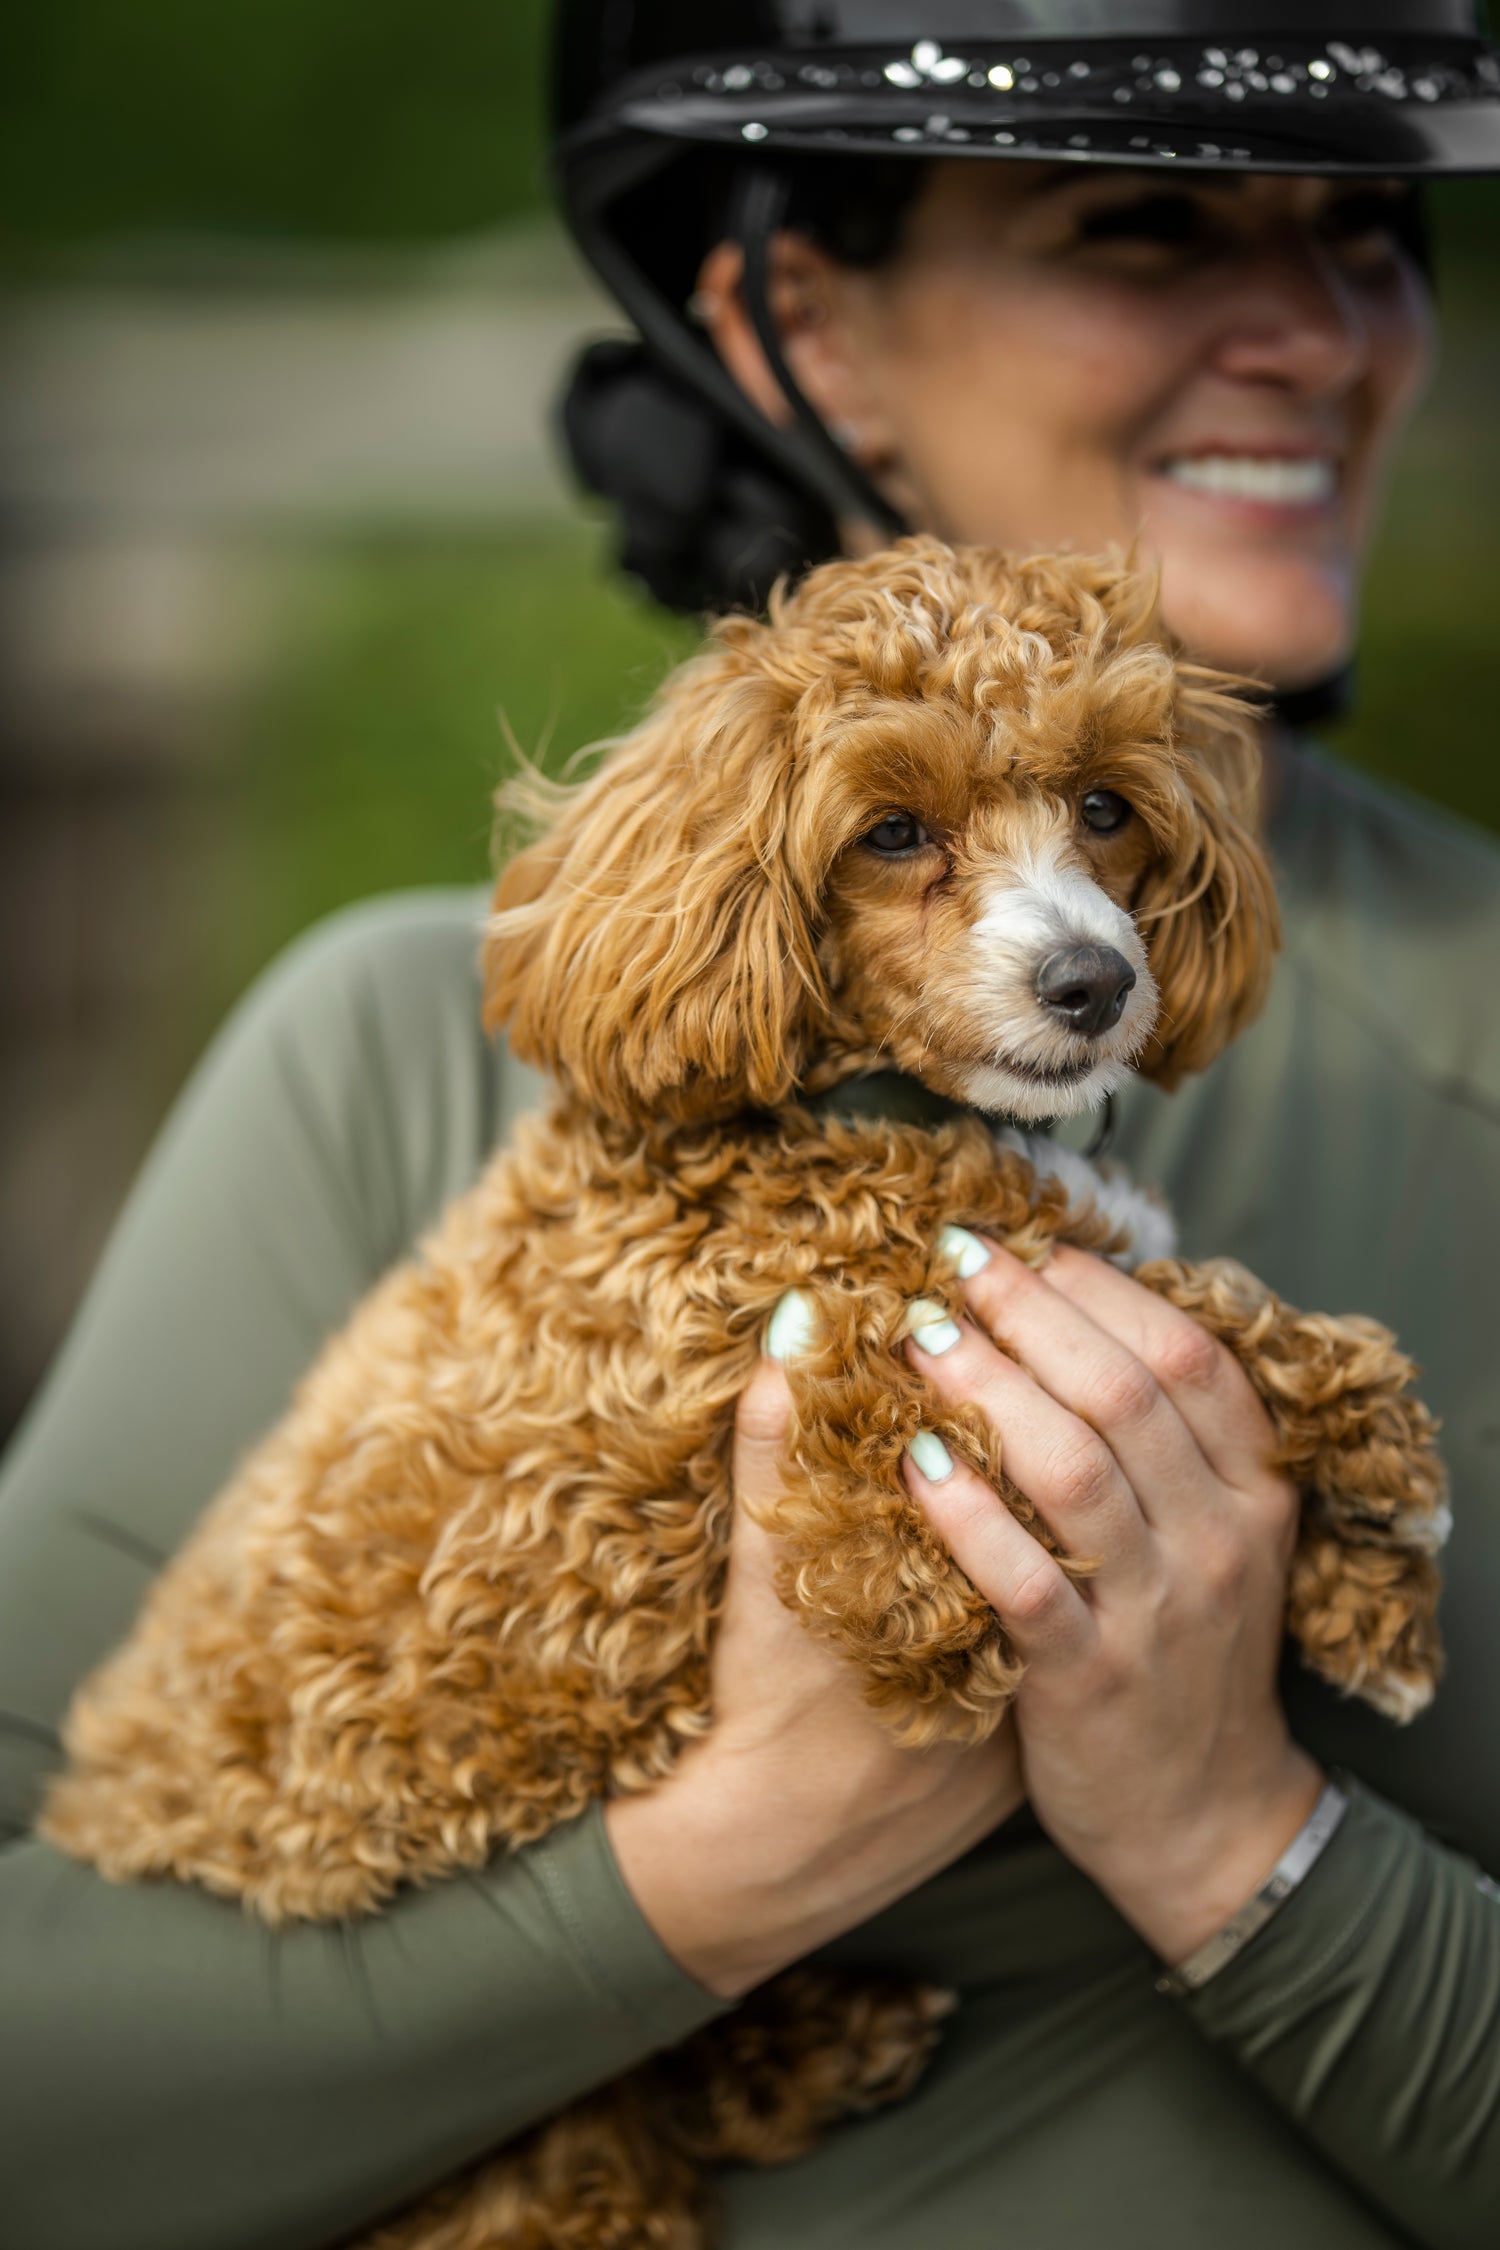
(678, 123)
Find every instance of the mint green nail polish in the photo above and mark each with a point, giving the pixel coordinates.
(964, 1252)
(929, 1327)
(792, 1328)
(931, 1456)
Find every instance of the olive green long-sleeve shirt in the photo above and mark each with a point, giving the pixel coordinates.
(174, 2077)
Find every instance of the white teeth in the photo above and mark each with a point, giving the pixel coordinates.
(1281, 483)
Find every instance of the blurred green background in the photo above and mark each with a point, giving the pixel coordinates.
(286, 546)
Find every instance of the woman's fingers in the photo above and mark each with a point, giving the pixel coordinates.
(757, 1629)
(1065, 1468)
(760, 1426)
(1205, 1383)
(1086, 1366)
(1035, 1600)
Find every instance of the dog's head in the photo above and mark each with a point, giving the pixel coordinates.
(968, 811)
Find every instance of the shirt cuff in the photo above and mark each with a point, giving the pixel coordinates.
(617, 1951)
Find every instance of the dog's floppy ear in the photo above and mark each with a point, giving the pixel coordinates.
(653, 949)
(1207, 907)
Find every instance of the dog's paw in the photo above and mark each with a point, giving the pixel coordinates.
(1366, 1619)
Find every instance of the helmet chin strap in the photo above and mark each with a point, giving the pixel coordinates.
(757, 208)
(803, 450)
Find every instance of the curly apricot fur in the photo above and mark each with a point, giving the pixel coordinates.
(470, 1583)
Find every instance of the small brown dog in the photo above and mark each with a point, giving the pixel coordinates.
(947, 816)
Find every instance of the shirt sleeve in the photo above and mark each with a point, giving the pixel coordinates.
(173, 2076)
(1368, 2010)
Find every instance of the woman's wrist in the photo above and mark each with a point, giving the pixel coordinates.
(712, 1876)
(734, 1879)
(1295, 1864)
(1180, 1884)
(748, 1859)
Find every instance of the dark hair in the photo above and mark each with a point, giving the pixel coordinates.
(707, 520)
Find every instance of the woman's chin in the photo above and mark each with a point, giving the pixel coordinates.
(1289, 622)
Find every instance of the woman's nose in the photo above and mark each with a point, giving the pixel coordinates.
(1298, 325)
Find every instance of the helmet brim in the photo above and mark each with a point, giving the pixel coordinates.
(1411, 108)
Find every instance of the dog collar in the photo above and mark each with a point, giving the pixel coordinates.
(890, 1097)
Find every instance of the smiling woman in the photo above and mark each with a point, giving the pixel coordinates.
(1078, 272)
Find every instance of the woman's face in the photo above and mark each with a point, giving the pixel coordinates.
(1070, 357)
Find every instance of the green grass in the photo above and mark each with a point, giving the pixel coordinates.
(1425, 713)
(368, 759)
(339, 120)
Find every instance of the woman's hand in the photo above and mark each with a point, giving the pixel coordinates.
(798, 1816)
(1153, 1743)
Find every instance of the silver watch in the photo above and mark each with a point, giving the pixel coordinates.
(1301, 1854)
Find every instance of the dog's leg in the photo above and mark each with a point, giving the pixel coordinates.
(630, 2168)
(1362, 1450)
(765, 2084)
(605, 2175)
(861, 1566)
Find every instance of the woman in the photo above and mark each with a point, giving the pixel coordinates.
(1030, 351)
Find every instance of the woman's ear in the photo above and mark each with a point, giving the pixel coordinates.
(808, 294)
(652, 950)
(1207, 907)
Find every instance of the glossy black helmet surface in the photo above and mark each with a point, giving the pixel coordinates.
(1388, 86)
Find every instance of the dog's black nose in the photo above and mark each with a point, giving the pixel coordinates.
(1087, 984)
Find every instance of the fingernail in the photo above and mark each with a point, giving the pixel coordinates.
(965, 1253)
(929, 1327)
(931, 1456)
(792, 1328)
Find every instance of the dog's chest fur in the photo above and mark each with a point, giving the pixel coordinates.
(470, 1583)
(1144, 1225)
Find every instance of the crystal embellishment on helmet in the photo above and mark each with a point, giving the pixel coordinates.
(1310, 75)
(1308, 85)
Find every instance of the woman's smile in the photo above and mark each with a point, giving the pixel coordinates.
(1275, 486)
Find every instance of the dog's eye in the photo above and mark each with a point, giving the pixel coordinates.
(898, 834)
(1104, 811)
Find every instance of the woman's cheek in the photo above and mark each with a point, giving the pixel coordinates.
(1023, 433)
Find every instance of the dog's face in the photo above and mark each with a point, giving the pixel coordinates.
(963, 813)
(979, 931)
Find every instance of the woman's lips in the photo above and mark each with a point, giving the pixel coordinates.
(1281, 482)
